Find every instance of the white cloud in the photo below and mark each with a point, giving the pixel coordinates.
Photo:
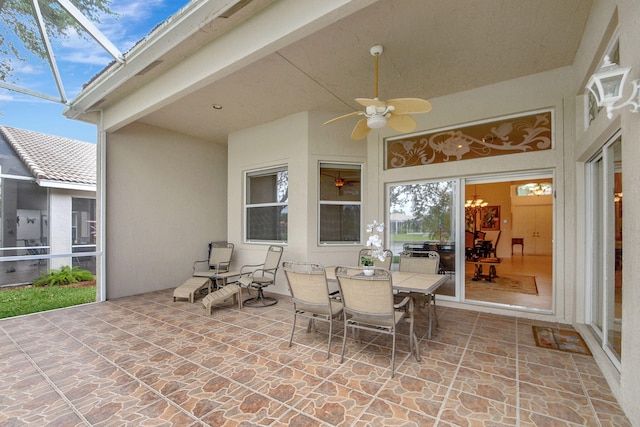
(6, 96)
(83, 57)
(27, 68)
(137, 10)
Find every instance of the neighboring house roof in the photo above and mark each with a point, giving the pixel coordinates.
(53, 160)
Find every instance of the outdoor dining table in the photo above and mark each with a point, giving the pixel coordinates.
(403, 281)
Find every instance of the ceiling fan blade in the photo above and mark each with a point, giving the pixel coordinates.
(361, 130)
(410, 105)
(402, 123)
(370, 101)
(346, 116)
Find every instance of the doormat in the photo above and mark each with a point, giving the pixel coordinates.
(506, 282)
(560, 339)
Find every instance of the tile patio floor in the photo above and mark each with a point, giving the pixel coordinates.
(145, 360)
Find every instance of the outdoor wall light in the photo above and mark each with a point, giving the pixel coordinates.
(607, 86)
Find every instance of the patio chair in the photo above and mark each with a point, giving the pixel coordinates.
(422, 262)
(369, 305)
(310, 296)
(388, 260)
(218, 261)
(259, 276)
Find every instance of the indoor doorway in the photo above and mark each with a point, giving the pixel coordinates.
(509, 242)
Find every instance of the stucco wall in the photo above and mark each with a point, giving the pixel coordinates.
(630, 393)
(165, 200)
(60, 204)
(606, 15)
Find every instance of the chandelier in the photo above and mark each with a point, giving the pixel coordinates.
(475, 203)
(472, 208)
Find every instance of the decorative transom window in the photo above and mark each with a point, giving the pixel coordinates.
(510, 135)
(340, 203)
(266, 205)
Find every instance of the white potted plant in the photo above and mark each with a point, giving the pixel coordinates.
(375, 244)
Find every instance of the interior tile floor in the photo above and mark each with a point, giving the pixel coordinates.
(146, 360)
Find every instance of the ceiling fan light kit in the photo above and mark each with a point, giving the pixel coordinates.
(394, 113)
(376, 122)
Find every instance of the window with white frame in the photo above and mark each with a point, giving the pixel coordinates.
(340, 203)
(266, 205)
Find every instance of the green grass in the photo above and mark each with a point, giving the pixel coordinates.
(16, 302)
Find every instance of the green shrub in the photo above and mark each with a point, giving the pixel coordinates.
(63, 276)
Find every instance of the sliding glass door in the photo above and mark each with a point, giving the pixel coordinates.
(475, 239)
(422, 217)
(605, 200)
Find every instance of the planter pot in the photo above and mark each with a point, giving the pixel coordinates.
(368, 272)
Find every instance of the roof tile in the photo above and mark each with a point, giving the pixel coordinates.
(52, 157)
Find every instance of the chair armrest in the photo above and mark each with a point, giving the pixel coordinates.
(402, 303)
(198, 262)
(264, 271)
(223, 266)
(249, 269)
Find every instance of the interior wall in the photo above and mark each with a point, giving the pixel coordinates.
(165, 200)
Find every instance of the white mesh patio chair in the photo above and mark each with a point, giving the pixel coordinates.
(369, 305)
(259, 276)
(310, 296)
(219, 261)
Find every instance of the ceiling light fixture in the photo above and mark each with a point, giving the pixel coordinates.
(475, 202)
(376, 122)
(339, 182)
(216, 106)
(607, 86)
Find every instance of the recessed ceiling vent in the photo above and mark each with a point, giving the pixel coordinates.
(235, 8)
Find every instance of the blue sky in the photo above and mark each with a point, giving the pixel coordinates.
(78, 61)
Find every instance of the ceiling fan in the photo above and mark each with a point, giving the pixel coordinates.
(378, 114)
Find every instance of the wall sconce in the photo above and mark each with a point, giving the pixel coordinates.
(339, 182)
(607, 86)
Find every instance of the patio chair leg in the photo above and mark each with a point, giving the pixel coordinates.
(393, 357)
(330, 335)
(344, 341)
(293, 328)
(435, 312)
(260, 300)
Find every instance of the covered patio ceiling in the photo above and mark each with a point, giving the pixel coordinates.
(432, 48)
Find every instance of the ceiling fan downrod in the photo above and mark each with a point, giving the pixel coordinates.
(376, 51)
